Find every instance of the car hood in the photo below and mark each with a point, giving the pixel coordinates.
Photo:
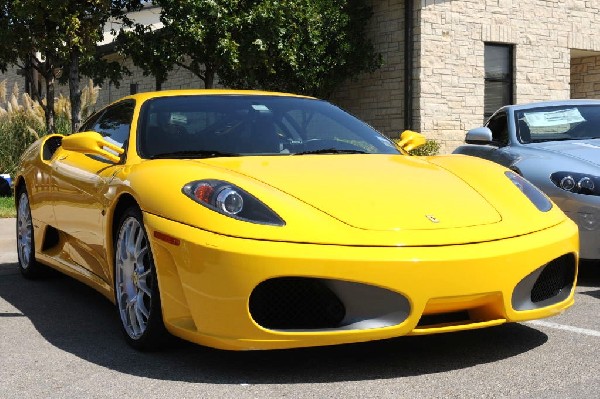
(584, 150)
(373, 192)
(354, 199)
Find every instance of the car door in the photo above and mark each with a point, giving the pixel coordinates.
(82, 183)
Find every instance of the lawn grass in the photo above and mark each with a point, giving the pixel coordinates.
(7, 207)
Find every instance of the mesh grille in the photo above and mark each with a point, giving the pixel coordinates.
(295, 303)
(556, 276)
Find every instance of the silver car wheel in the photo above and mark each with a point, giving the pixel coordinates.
(24, 231)
(133, 277)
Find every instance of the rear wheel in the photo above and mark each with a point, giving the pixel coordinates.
(136, 287)
(25, 238)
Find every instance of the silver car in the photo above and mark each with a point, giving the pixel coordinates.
(556, 146)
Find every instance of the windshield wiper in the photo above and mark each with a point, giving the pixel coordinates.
(194, 154)
(330, 151)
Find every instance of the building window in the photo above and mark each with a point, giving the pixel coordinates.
(498, 77)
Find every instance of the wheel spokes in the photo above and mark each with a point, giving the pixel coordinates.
(133, 277)
(24, 231)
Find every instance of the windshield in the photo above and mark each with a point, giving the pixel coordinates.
(231, 125)
(554, 123)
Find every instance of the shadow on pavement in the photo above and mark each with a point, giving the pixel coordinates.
(76, 319)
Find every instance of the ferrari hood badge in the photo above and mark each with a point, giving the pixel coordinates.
(432, 218)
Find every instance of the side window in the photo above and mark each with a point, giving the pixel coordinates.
(115, 122)
(499, 127)
(90, 122)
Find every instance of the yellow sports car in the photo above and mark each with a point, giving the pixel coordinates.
(256, 220)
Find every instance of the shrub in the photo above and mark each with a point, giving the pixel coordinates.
(21, 123)
(431, 147)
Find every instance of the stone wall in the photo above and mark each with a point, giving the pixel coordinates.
(378, 98)
(179, 78)
(452, 37)
(11, 77)
(585, 77)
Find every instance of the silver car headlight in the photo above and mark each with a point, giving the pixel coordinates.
(578, 183)
(537, 197)
(232, 201)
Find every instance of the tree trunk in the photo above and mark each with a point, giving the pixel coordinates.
(209, 78)
(158, 82)
(49, 109)
(75, 91)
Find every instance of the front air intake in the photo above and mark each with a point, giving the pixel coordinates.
(548, 285)
(558, 275)
(295, 303)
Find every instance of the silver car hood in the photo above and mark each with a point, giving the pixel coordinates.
(584, 150)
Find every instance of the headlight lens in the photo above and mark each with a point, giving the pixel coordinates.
(538, 198)
(232, 201)
(578, 183)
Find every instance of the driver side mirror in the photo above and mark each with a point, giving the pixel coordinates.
(479, 135)
(92, 143)
(410, 140)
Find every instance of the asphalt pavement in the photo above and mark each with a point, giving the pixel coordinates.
(60, 339)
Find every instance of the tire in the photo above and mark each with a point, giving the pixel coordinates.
(136, 287)
(28, 265)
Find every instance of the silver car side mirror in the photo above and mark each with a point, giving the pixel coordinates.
(479, 135)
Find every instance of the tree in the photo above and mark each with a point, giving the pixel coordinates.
(150, 50)
(202, 34)
(303, 46)
(57, 36)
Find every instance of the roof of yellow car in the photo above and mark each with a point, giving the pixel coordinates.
(207, 92)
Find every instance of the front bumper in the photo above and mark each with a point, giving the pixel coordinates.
(206, 282)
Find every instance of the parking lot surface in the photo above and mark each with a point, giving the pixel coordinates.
(60, 339)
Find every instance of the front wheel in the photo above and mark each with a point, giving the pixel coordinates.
(136, 286)
(25, 238)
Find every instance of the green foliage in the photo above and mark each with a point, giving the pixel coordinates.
(149, 50)
(7, 207)
(431, 147)
(302, 46)
(23, 123)
(58, 36)
(17, 131)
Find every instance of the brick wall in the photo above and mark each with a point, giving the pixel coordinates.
(585, 77)
(449, 61)
(452, 40)
(11, 78)
(378, 98)
(179, 78)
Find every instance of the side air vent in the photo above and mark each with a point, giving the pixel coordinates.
(548, 285)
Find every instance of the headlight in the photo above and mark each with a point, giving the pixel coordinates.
(578, 183)
(538, 198)
(232, 201)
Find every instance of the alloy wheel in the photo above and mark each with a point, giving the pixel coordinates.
(133, 277)
(24, 231)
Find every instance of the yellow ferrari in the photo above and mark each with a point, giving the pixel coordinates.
(254, 220)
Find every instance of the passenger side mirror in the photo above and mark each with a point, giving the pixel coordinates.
(410, 140)
(92, 143)
(479, 135)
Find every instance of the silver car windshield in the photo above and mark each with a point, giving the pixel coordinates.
(202, 126)
(556, 123)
